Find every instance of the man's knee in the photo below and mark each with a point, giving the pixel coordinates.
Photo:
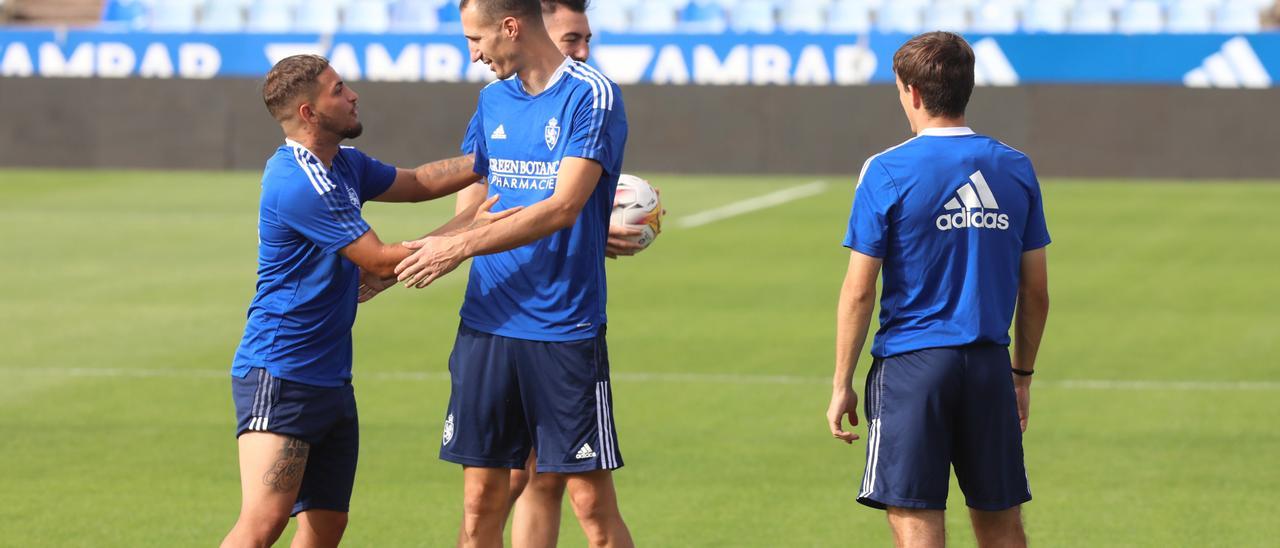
(1000, 528)
(484, 498)
(260, 528)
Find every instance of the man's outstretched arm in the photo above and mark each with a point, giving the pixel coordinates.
(853, 320)
(438, 256)
(432, 180)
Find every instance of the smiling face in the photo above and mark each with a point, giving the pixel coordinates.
(334, 107)
(570, 30)
(491, 42)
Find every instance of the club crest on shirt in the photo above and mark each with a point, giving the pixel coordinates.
(351, 195)
(552, 134)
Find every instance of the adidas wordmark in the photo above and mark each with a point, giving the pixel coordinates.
(975, 202)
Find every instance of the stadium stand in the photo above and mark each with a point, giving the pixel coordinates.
(60, 12)
(672, 16)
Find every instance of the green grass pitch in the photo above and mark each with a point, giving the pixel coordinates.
(123, 297)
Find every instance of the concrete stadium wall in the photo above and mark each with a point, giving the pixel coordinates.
(1069, 131)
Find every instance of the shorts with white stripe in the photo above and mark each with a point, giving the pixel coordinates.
(510, 396)
(934, 409)
(324, 417)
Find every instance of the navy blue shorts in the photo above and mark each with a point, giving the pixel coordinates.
(323, 417)
(932, 409)
(512, 395)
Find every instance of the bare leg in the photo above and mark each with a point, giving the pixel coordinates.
(536, 522)
(319, 529)
(271, 468)
(596, 504)
(484, 506)
(917, 528)
(520, 480)
(1001, 529)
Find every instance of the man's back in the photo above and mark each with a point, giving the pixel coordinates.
(951, 213)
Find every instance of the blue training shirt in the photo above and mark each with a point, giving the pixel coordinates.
(552, 289)
(951, 213)
(300, 319)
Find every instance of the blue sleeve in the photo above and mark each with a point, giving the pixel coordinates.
(873, 199)
(1036, 234)
(311, 205)
(473, 143)
(599, 130)
(375, 176)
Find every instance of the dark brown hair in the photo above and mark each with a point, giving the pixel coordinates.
(576, 6)
(496, 10)
(940, 66)
(291, 77)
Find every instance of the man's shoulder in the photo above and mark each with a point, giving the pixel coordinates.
(286, 172)
(497, 89)
(882, 162)
(588, 83)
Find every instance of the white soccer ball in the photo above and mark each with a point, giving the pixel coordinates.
(637, 206)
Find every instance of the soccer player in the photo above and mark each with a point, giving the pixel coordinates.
(291, 377)
(536, 498)
(955, 221)
(530, 367)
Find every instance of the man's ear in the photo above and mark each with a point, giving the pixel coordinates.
(511, 27)
(916, 102)
(306, 112)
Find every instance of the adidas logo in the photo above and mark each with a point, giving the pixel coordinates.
(500, 133)
(586, 452)
(969, 197)
(1235, 65)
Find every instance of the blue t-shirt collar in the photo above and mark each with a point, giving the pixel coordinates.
(551, 82)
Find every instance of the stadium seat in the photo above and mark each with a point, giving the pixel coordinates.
(1237, 17)
(317, 16)
(703, 16)
(222, 16)
(371, 16)
(173, 16)
(995, 17)
(951, 16)
(1092, 18)
(654, 18)
(805, 16)
(1045, 17)
(127, 13)
(903, 17)
(1141, 17)
(849, 17)
(269, 16)
(414, 16)
(609, 16)
(1190, 17)
(450, 19)
(754, 16)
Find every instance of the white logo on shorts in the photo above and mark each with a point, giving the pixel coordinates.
(448, 430)
(586, 452)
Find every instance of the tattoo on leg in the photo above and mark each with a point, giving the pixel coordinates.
(286, 474)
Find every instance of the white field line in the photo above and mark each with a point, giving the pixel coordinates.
(642, 377)
(752, 204)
